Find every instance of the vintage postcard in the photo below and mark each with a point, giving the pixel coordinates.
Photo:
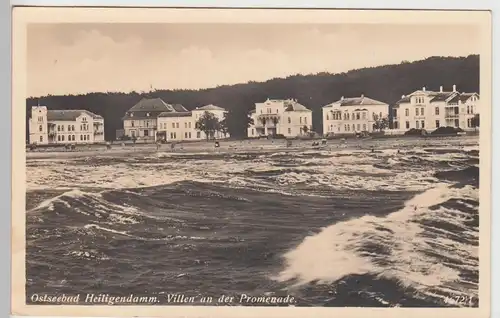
(251, 162)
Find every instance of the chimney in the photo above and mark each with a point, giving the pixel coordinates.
(402, 96)
(423, 89)
(362, 95)
(454, 87)
(342, 98)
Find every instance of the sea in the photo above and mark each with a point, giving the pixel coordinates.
(380, 223)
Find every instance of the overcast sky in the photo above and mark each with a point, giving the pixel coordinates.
(80, 58)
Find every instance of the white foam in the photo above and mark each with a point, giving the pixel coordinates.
(336, 251)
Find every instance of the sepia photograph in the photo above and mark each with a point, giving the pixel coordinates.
(224, 158)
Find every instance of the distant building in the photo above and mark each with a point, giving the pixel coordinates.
(179, 124)
(353, 115)
(140, 121)
(430, 110)
(64, 126)
(280, 117)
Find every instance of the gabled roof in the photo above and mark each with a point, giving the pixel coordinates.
(356, 101)
(175, 114)
(210, 107)
(441, 96)
(466, 96)
(69, 115)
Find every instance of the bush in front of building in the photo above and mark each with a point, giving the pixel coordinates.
(446, 131)
(415, 132)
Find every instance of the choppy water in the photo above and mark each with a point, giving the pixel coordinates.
(332, 227)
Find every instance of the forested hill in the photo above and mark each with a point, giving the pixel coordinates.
(385, 83)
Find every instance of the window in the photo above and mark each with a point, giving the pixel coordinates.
(189, 135)
(353, 127)
(62, 138)
(300, 120)
(305, 120)
(437, 123)
(176, 125)
(40, 128)
(416, 124)
(407, 125)
(58, 138)
(395, 112)
(380, 115)
(364, 127)
(69, 127)
(289, 130)
(58, 128)
(289, 120)
(73, 127)
(132, 123)
(62, 128)
(422, 111)
(422, 124)
(327, 117)
(81, 136)
(358, 116)
(185, 125)
(253, 132)
(198, 134)
(436, 110)
(364, 116)
(416, 111)
(173, 125)
(469, 123)
(84, 119)
(133, 133)
(74, 137)
(359, 127)
(147, 123)
(407, 112)
(146, 133)
(185, 135)
(84, 137)
(41, 138)
(456, 123)
(468, 109)
(396, 125)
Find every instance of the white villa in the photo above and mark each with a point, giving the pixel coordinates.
(353, 115)
(180, 124)
(429, 110)
(64, 126)
(140, 121)
(277, 116)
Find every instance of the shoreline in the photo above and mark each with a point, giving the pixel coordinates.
(242, 146)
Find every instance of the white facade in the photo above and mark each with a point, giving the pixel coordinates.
(181, 126)
(280, 117)
(64, 126)
(430, 110)
(353, 115)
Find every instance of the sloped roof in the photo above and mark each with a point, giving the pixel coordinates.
(441, 96)
(210, 107)
(357, 101)
(175, 114)
(179, 108)
(69, 115)
(293, 106)
(151, 104)
(466, 96)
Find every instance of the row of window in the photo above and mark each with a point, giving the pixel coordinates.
(146, 123)
(420, 111)
(352, 116)
(71, 138)
(187, 135)
(187, 125)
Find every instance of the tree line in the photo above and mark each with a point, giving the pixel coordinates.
(384, 83)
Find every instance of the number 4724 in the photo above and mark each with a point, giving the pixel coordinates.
(461, 300)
